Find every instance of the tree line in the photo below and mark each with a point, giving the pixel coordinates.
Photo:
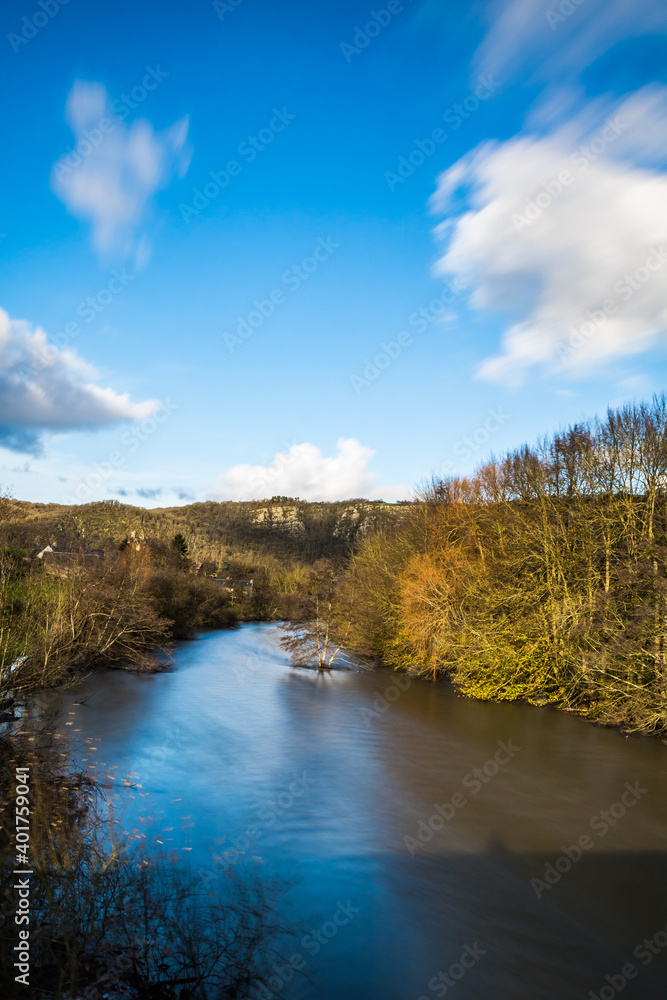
(541, 577)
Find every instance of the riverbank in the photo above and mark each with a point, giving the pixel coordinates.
(324, 782)
(542, 577)
(124, 607)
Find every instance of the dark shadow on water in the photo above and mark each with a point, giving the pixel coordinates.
(560, 947)
(218, 743)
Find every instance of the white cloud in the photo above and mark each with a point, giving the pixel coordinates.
(303, 471)
(561, 38)
(114, 170)
(45, 388)
(551, 265)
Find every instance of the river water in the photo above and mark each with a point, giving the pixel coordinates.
(422, 838)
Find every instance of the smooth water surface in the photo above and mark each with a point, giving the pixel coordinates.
(330, 784)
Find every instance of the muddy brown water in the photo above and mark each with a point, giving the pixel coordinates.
(430, 845)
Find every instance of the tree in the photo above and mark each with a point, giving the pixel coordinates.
(542, 576)
(316, 632)
(179, 545)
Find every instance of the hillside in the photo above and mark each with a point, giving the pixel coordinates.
(216, 533)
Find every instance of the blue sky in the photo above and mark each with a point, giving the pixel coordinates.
(321, 250)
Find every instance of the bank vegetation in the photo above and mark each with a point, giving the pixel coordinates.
(542, 577)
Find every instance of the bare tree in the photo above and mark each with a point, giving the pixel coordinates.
(315, 633)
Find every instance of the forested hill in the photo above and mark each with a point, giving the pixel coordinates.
(215, 532)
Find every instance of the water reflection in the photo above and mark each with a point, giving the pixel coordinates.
(218, 745)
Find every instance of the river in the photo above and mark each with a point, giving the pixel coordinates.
(430, 845)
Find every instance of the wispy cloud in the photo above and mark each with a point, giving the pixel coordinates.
(551, 250)
(116, 169)
(559, 39)
(44, 388)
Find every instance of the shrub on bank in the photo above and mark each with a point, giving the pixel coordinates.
(542, 577)
(118, 610)
(189, 602)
